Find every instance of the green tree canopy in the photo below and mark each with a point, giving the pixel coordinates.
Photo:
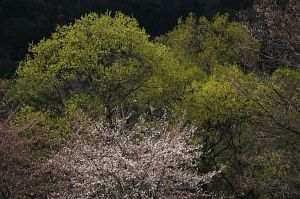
(207, 43)
(103, 57)
(249, 124)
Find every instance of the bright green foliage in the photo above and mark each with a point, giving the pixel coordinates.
(250, 125)
(207, 43)
(218, 100)
(247, 124)
(48, 132)
(273, 164)
(279, 97)
(104, 57)
(167, 87)
(270, 172)
(224, 116)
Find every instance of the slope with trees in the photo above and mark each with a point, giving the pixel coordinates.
(208, 110)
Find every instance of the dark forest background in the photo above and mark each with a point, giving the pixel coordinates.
(27, 21)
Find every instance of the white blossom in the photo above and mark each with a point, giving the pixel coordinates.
(146, 161)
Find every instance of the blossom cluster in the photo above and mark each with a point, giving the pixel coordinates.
(149, 160)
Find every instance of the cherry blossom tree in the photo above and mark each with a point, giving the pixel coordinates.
(150, 160)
